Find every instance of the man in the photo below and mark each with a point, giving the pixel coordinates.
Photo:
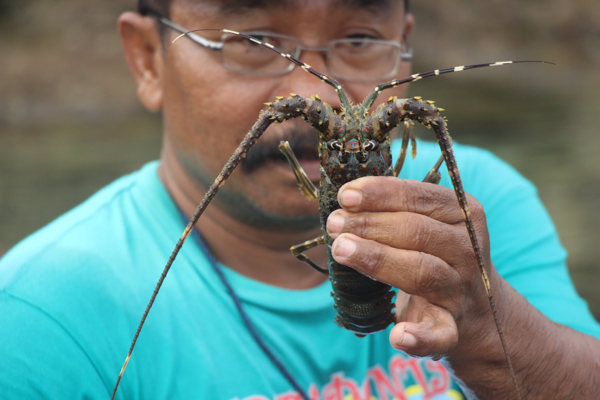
(72, 293)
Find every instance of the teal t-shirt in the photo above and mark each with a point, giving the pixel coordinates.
(72, 294)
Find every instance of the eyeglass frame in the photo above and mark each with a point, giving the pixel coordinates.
(405, 54)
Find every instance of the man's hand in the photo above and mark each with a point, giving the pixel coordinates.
(412, 236)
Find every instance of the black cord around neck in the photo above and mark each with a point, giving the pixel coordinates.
(245, 318)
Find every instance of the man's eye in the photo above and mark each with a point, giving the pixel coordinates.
(360, 36)
(357, 43)
(361, 40)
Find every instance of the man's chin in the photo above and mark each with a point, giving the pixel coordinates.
(239, 205)
(251, 215)
(243, 209)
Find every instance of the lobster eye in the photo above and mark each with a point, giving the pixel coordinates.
(371, 145)
(334, 145)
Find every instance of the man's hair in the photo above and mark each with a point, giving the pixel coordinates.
(164, 6)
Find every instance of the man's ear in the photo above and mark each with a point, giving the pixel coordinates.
(143, 51)
(409, 25)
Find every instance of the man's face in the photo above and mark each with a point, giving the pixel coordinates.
(208, 109)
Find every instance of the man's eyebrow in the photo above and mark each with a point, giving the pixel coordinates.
(374, 5)
(232, 7)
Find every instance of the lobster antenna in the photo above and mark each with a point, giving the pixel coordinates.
(264, 121)
(397, 82)
(331, 82)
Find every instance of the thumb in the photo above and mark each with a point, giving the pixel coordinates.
(433, 335)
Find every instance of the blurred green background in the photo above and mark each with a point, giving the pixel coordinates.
(70, 121)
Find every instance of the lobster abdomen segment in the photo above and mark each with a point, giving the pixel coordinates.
(363, 305)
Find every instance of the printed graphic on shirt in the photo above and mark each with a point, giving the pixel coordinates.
(405, 379)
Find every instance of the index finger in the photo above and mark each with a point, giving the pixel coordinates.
(390, 194)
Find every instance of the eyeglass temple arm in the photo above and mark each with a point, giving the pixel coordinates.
(209, 44)
(407, 55)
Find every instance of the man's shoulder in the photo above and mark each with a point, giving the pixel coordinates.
(92, 237)
(74, 287)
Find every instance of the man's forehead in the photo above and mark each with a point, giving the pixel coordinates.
(228, 7)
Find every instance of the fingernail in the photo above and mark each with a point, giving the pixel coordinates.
(335, 224)
(344, 247)
(350, 198)
(407, 341)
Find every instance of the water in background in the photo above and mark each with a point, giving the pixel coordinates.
(70, 122)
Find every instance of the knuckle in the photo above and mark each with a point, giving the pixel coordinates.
(360, 224)
(476, 209)
(372, 259)
(417, 200)
(434, 279)
(366, 222)
(421, 234)
(386, 193)
(392, 198)
(427, 279)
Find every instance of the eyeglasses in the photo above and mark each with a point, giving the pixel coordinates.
(351, 59)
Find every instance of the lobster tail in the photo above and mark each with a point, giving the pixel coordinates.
(363, 305)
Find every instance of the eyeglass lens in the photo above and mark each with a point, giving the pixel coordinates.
(243, 55)
(357, 59)
(363, 59)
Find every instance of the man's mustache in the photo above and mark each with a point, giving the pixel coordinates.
(303, 142)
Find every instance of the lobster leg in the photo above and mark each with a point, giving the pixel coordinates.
(402, 155)
(434, 176)
(298, 249)
(306, 186)
(310, 192)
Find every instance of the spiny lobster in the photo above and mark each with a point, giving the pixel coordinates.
(351, 144)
